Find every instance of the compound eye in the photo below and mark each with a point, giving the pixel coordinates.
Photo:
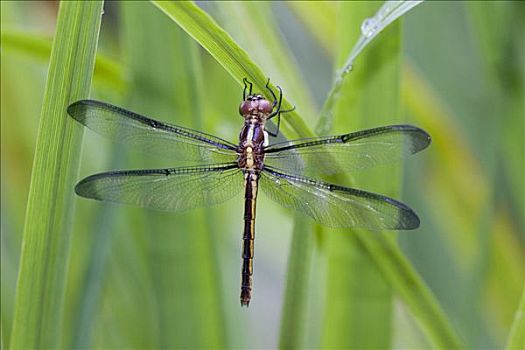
(265, 106)
(245, 107)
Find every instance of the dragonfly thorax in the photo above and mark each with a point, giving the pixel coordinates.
(252, 139)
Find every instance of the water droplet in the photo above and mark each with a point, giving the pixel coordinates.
(369, 27)
(348, 69)
(385, 10)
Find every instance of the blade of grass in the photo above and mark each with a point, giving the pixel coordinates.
(43, 264)
(294, 315)
(496, 26)
(409, 286)
(503, 286)
(90, 285)
(412, 290)
(359, 298)
(516, 338)
(459, 192)
(370, 28)
(404, 278)
(179, 256)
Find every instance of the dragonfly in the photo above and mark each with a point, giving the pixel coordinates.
(288, 172)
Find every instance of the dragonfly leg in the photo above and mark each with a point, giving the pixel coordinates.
(274, 134)
(246, 84)
(278, 112)
(276, 102)
(271, 92)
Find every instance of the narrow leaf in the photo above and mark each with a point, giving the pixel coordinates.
(167, 85)
(359, 298)
(516, 338)
(293, 327)
(370, 28)
(45, 247)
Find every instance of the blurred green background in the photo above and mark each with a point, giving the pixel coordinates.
(141, 279)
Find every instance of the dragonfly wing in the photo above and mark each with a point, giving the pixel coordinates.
(350, 152)
(148, 135)
(337, 206)
(176, 189)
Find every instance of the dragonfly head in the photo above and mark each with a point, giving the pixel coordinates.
(255, 104)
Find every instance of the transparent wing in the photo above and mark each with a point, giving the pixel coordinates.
(148, 135)
(350, 152)
(337, 206)
(176, 189)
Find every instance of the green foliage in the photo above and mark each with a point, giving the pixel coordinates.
(139, 279)
(516, 338)
(359, 300)
(43, 262)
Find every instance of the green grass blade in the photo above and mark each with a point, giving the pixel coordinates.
(413, 292)
(43, 265)
(397, 269)
(90, 286)
(462, 178)
(224, 49)
(370, 28)
(293, 325)
(178, 249)
(516, 338)
(359, 298)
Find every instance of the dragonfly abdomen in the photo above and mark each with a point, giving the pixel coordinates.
(250, 200)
